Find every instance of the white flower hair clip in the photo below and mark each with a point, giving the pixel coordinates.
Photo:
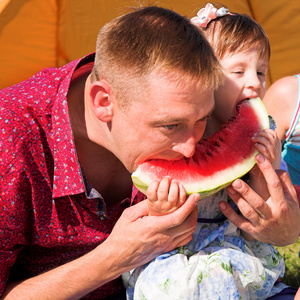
(205, 15)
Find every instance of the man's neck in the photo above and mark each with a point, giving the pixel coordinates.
(102, 168)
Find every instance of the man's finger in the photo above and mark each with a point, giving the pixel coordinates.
(288, 188)
(180, 215)
(237, 220)
(137, 211)
(271, 177)
(250, 204)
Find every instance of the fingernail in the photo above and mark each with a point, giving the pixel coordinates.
(260, 158)
(237, 184)
(222, 205)
(196, 197)
(231, 191)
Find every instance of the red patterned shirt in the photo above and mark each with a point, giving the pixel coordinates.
(49, 215)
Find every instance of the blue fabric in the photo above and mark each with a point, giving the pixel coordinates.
(217, 264)
(286, 294)
(291, 152)
(291, 155)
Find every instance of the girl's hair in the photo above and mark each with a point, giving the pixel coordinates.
(235, 32)
(149, 39)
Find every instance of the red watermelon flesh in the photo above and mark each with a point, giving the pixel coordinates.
(218, 160)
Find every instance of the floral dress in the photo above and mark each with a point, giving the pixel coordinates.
(217, 264)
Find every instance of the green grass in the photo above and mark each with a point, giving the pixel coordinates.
(292, 263)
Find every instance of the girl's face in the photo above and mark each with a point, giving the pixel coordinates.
(245, 77)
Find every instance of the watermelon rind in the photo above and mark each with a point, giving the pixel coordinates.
(217, 181)
(207, 187)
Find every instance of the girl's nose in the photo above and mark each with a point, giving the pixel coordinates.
(253, 81)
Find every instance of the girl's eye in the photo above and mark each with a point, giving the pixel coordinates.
(238, 72)
(261, 73)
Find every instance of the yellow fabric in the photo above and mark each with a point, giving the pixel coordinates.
(35, 34)
(3, 4)
(28, 39)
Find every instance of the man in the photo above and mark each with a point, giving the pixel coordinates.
(70, 139)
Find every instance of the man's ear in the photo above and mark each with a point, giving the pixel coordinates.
(101, 100)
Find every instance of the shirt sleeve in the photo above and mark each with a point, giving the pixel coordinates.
(14, 223)
(15, 193)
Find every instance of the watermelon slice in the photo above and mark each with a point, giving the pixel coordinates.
(218, 160)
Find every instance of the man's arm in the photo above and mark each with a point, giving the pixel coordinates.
(135, 240)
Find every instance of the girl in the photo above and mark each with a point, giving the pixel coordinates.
(219, 262)
(282, 100)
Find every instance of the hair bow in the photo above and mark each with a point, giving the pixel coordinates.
(205, 15)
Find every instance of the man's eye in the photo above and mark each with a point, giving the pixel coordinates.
(171, 126)
(205, 118)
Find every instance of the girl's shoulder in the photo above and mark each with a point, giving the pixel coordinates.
(285, 84)
(285, 87)
(280, 101)
(282, 93)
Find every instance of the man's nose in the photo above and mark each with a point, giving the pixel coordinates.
(187, 148)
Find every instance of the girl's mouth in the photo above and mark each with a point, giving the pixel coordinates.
(239, 103)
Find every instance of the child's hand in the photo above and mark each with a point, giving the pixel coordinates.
(165, 197)
(266, 142)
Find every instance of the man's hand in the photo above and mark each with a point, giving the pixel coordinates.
(138, 238)
(275, 221)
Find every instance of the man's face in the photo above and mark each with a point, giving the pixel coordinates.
(165, 123)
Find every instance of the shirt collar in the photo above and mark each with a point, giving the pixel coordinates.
(68, 179)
